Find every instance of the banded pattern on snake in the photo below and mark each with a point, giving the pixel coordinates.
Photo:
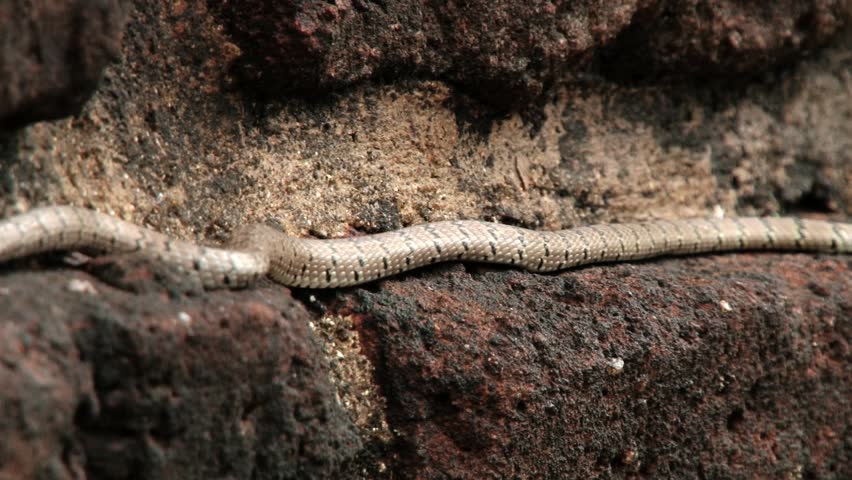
(259, 250)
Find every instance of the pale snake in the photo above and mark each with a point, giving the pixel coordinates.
(260, 250)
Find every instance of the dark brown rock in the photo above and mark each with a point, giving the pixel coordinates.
(497, 49)
(510, 52)
(722, 38)
(52, 55)
(169, 144)
(101, 383)
(733, 366)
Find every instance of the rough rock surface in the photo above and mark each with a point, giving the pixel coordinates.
(721, 38)
(711, 367)
(510, 52)
(99, 382)
(173, 141)
(52, 55)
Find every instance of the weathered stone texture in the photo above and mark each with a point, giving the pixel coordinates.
(459, 370)
(510, 52)
(97, 382)
(733, 366)
(52, 55)
(722, 38)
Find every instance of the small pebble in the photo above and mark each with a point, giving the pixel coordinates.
(614, 365)
(81, 286)
(184, 317)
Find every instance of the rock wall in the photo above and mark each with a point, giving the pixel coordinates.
(332, 119)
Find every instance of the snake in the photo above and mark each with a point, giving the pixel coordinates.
(259, 250)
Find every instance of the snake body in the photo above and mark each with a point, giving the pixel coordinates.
(259, 250)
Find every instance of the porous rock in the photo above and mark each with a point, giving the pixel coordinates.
(509, 53)
(98, 382)
(52, 55)
(722, 366)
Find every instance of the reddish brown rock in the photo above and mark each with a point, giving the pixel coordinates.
(722, 38)
(510, 52)
(717, 366)
(167, 143)
(97, 382)
(52, 55)
(498, 49)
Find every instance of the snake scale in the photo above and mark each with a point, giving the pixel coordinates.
(259, 250)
